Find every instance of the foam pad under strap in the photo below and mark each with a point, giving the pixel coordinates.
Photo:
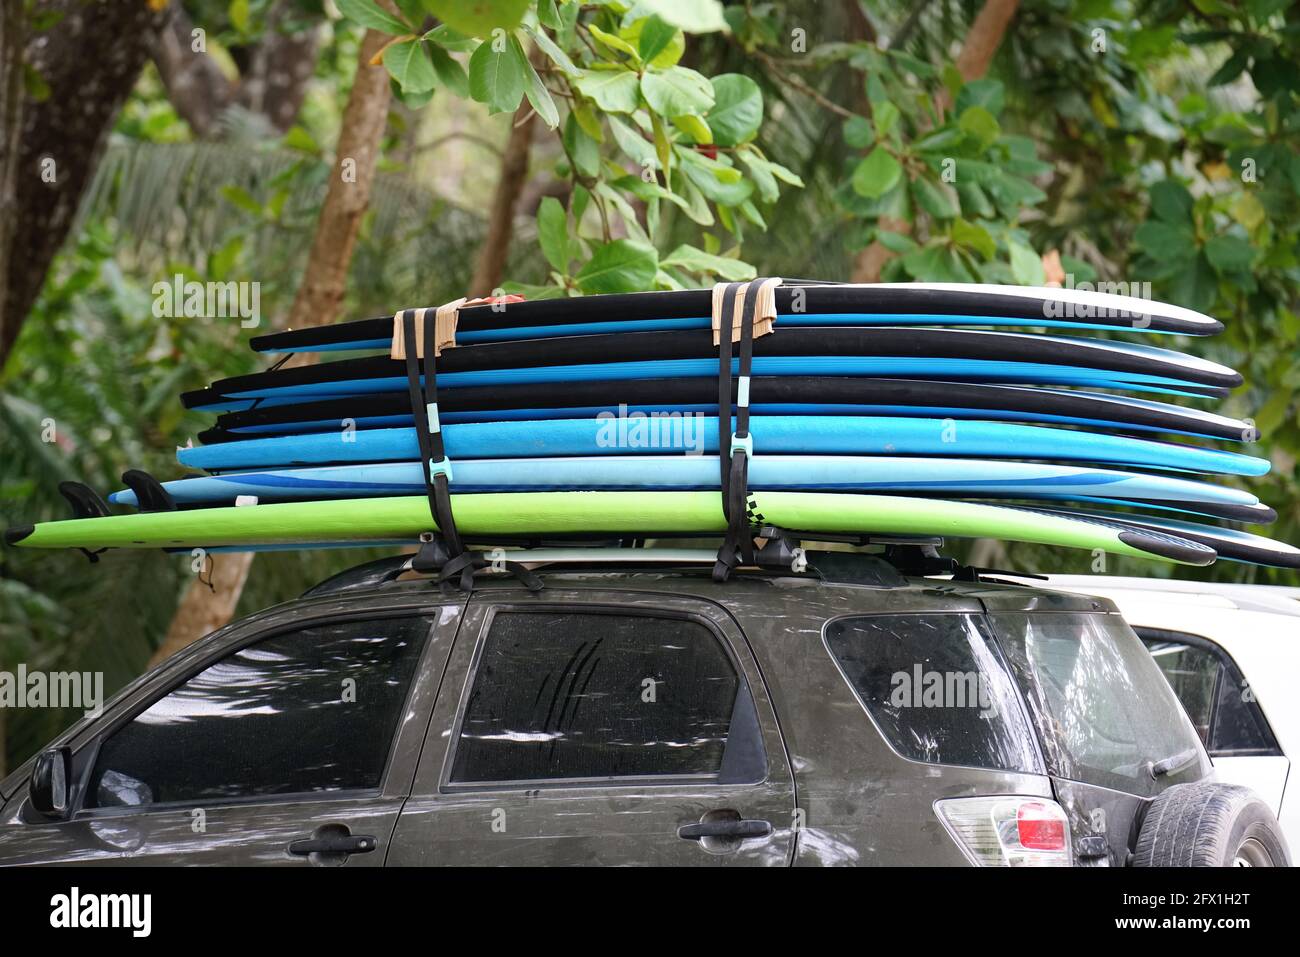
(149, 493)
(446, 318)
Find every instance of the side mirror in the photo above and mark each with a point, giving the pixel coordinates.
(49, 789)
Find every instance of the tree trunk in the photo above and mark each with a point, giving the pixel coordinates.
(281, 65)
(11, 120)
(317, 301)
(195, 85)
(977, 51)
(89, 60)
(272, 83)
(348, 196)
(984, 38)
(490, 266)
(204, 609)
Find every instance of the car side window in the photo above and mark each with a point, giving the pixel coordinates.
(937, 688)
(1193, 672)
(1214, 693)
(301, 711)
(571, 695)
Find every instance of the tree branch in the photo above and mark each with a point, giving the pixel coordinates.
(490, 266)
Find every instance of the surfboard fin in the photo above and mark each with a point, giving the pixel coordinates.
(149, 493)
(85, 501)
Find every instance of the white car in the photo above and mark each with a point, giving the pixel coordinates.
(1232, 654)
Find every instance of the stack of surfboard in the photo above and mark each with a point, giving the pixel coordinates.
(876, 409)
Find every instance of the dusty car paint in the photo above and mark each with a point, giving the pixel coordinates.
(834, 790)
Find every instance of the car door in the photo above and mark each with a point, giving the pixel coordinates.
(295, 744)
(1223, 708)
(599, 728)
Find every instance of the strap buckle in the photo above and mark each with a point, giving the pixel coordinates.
(745, 445)
(440, 468)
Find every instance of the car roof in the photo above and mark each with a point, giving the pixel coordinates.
(1274, 599)
(679, 571)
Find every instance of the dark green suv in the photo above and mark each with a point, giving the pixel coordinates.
(634, 711)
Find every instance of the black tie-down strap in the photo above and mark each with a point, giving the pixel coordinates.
(442, 554)
(433, 558)
(736, 447)
(435, 466)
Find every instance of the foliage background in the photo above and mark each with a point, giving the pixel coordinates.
(1142, 141)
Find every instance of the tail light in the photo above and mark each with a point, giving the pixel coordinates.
(1008, 831)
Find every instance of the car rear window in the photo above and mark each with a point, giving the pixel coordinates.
(937, 688)
(1104, 711)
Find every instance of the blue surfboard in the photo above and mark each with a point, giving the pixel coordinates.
(676, 433)
(931, 476)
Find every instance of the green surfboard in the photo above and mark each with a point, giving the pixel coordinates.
(512, 514)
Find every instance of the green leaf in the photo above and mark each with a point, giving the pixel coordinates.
(612, 42)
(370, 15)
(1165, 242)
(694, 127)
(654, 35)
(410, 66)
(238, 14)
(1273, 412)
(989, 94)
(936, 198)
(450, 72)
(556, 55)
(697, 260)
(737, 110)
(1229, 254)
(588, 120)
(614, 91)
(619, 266)
(540, 97)
(895, 242)
(885, 116)
(243, 199)
(693, 16)
(1026, 265)
(761, 171)
(858, 132)
(478, 18)
(583, 151)
(1195, 286)
(497, 79)
(676, 91)
(553, 234)
(981, 125)
(640, 150)
(297, 138)
(721, 184)
(974, 236)
(876, 174)
(939, 263)
(1171, 202)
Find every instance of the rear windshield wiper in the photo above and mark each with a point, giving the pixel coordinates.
(1177, 762)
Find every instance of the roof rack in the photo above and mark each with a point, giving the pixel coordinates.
(781, 552)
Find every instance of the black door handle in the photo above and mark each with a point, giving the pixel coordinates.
(742, 829)
(335, 844)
